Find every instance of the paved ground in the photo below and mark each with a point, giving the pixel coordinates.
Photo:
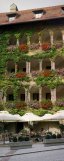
(37, 153)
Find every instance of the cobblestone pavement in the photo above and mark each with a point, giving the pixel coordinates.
(37, 153)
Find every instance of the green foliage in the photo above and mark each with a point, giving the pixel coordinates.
(51, 82)
(61, 127)
(15, 54)
(48, 136)
(46, 104)
(59, 136)
(1, 107)
(17, 111)
(20, 138)
(57, 108)
(39, 112)
(46, 54)
(14, 139)
(27, 138)
(53, 136)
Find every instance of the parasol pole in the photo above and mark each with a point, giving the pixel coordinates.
(3, 133)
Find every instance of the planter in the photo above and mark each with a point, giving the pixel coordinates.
(20, 145)
(46, 46)
(23, 48)
(21, 75)
(34, 46)
(53, 141)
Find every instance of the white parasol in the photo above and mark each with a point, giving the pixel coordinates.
(28, 117)
(5, 116)
(59, 115)
(46, 117)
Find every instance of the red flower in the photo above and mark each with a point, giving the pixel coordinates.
(21, 75)
(23, 48)
(20, 105)
(45, 46)
(46, 73)
(47, 104)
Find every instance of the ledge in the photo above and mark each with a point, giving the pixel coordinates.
(53, 141)
(20, 145)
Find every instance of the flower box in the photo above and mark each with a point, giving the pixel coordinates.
(34, 46)
(34, 104)
(58, 45)
(60, 102)
(21, 75)
(35, 73)
(20, 145)
(23, 48)
(21, 105)
(60, 71)
(46, 104)
(11, 48)
(46, 46)
(53, 141)
(46, 73)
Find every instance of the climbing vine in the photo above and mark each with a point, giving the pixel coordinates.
(13, 53)
(51, 82)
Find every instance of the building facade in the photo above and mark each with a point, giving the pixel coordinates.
(32, 58)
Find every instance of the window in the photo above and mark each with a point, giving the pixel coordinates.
(38, 13)
(11, 16)
(10, 97)
(48, 67)
(12, 70)
(24, 69)
(22, 97)
(11, 19)
(62, 9)
(48, 96)
(36, 96)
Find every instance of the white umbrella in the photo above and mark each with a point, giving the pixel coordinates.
(5, 116)
(46, 117)
(59, 115)
(18, 118)
(28, 117)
